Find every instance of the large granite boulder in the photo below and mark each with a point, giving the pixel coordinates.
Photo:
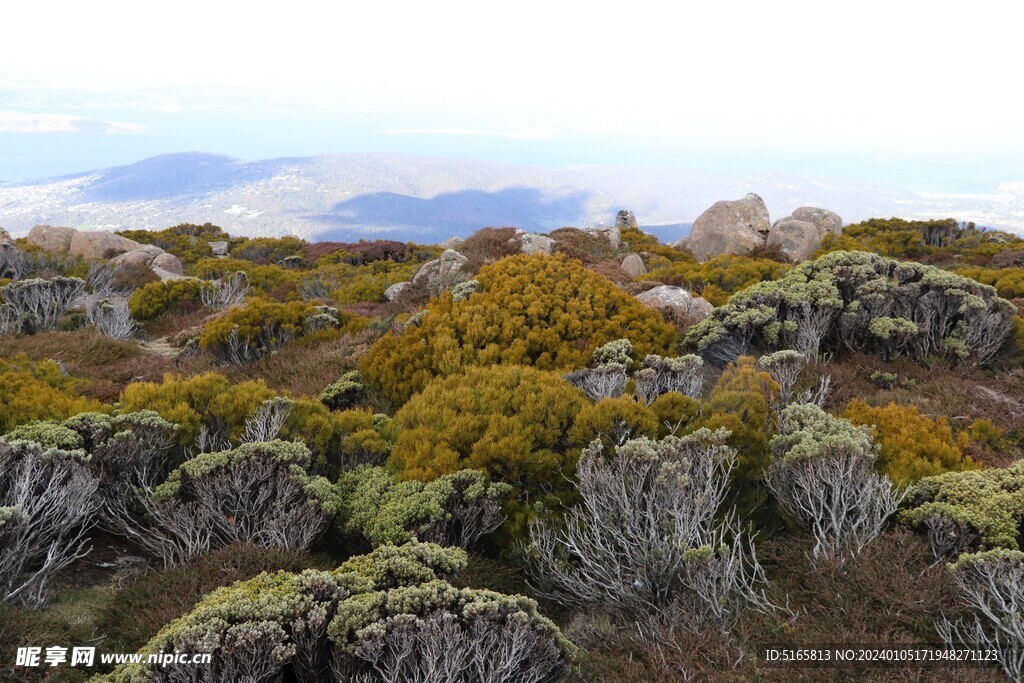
(797, 240)
(633, 265)
(827, 222)
(676, 299)
(800, 234)
(52, 238)
(443, 273)
(392, 292)
(532, 243)
(100, 244)
(150, 256)
(219, 248)
(625, 219)
(169, 263)
(730, 227)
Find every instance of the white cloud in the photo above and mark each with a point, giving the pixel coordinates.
(525, 134)
(20, 122)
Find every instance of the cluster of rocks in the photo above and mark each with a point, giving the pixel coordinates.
(743, 225)
(101, 244)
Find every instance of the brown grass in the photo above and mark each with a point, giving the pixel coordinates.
(108, 364)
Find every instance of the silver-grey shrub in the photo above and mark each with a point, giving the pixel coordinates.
(854, 301)
(991, 584)
(822, 475)
(111, 316)
(649, 539)
(663, 375)
(37, 304)
(604, 381)
(228, 291)
(48, 504)
(388, 617)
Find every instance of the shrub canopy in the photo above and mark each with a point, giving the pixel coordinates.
(548, 312)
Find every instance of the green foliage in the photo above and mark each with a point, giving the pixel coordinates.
(613, 420)
(294, 457)
(811, 433)
(1009, 282)
(188, 242)
(261, 327)
(859, 301)
(269, 249)
(618, 352)
(512, 422)
(40, 390)
(382, 510)
(719, 277)
(345, 393)
(911, 445)
(989, 502)
(271, 280)
(158, 297)
(221, 406)
(547, 312)
(898, 238)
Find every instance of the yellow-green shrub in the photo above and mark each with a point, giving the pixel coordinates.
(511, 422)
(912, 445)
(545, 311)
(613, 420)
(155, 298)
(40, 390)
(267, 279)
(214, 401)
(719, 277)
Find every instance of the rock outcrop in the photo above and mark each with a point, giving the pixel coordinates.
(677, 300)
(532, 243)
(625, 219)
(219, 248)
(101, 244)
(633, 265)
(52, 238)
(392, 292)
(443, 273)
(730, 227)
(5, 238)
(800, 234)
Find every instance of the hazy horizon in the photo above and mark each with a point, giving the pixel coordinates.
(897, 95)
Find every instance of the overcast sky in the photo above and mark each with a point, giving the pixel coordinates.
(897, 85)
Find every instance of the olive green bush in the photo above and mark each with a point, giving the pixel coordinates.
(965, 511)
(859, 301)
(454, 509)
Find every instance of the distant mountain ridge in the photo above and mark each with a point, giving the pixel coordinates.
(352, 196)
